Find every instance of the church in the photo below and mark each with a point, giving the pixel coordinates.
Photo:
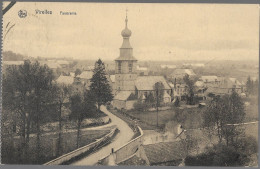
(129, 86)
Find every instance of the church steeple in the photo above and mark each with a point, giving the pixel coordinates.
(126, 50)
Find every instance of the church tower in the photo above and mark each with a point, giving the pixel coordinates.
(125, 72)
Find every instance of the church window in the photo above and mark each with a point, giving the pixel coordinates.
(119, 67)
(130, 66)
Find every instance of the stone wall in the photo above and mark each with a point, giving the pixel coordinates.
(67, 157)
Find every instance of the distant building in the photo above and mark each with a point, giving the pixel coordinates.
(85, 77)
(142, 71)
(168, 66)
(128, 85)
(180, 73)
(225, 86)
(210, 80)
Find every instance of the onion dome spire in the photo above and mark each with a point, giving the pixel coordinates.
(126, 33)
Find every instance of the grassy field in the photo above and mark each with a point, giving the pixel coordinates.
(12, 154)
(150, 118)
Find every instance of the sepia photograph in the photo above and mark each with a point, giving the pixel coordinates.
(130, 84)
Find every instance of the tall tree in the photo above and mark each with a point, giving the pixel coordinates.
(191, 89)
(77, 112)
(77, 72)
(159, 94)
(62, 93)
(249, 85)
(222, 113)
(26, 90)
(100, 85)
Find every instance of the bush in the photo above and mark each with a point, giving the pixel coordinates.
(141, 106)
(219, 155)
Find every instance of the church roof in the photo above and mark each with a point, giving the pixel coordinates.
(122, 95)
(148, 82)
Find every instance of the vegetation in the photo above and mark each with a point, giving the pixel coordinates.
(218, 155)
(252, 86)
(222, 112)
(100, 88)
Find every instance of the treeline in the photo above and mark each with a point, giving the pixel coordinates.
(31, 98)
(252, 86)
(10, 56)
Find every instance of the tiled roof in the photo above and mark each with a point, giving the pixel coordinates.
(183, 72)
(86, 75)
(148, 82)
(133, 161)
(164, 152)
(209, 78)
(68, 80)
(122, 95)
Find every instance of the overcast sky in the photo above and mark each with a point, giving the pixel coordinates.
(159, 31)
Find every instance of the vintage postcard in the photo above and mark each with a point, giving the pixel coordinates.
(140, 84)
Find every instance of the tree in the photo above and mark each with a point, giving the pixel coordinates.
(62, 93)
(177, 102)
(222, 113)
(100, 85)
(159, 93)
(249, 85)
(191, 89)
(150, 100)
(77, 72)
(77, 112)
(26, 91)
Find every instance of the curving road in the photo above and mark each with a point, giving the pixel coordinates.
(125, 135)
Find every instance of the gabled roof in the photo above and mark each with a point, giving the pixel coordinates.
(134, 160)
(183, 72)
(209, 78)
(199, 84)
(122, 95)
(86, 75)
(148, 82)
(68, 80)
(164, 152)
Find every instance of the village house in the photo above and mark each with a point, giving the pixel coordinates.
(179, 73)
(225, 86)
(129, 86)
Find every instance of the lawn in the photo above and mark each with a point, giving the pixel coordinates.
(150, 118)
(12, 154)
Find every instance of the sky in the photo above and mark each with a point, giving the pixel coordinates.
(160, 32)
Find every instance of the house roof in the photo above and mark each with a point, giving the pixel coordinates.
(134, 160)
(199, 83)
(68, 80)
(164, 152)
(148, 82)
(122, 95)
(141, 68)
(86, 75)
(209, 78)
(183, 72)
